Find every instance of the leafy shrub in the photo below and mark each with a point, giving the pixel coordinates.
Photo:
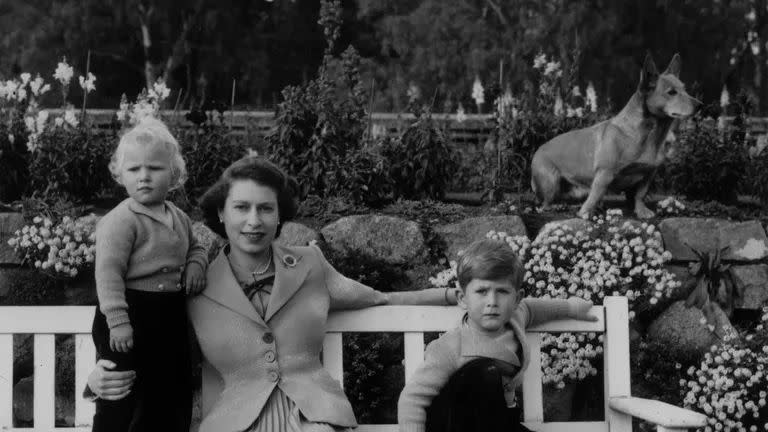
(320, 123)
(208, 148)
(757, 177)
(13, 157)
(421, 162)
(709, 160)
(72, 162)
(366, 177)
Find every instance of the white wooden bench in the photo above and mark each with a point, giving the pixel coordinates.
(46, 321)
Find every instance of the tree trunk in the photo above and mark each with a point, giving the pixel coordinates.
(760, 59)
(144, 18)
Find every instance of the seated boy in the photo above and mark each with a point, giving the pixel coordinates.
(468, 379)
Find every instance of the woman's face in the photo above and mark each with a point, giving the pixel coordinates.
(250, 217)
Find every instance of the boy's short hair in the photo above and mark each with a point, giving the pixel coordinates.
(490, 260)
(150, 130)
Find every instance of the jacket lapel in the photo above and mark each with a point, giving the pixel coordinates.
(222, 287)
(291, 268)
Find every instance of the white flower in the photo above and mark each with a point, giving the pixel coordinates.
(539, 61)
(591, 97)
(552, 68)
(58, 121)
(70, 117)
(159, 91)
(38, 86)
(64, 72)
(725, 98)
(25, 77)
(478, 93)
(87, 84)
(558, 109)
(460, 115)
(413, 93)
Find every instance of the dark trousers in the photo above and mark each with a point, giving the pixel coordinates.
(473, 400)
(161, 396)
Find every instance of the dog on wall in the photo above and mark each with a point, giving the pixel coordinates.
(621, 154)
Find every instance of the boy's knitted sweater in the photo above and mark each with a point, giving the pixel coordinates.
(459, 346)
(135, 249)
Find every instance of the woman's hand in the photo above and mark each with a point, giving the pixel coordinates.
(110, 385)
(194, 279)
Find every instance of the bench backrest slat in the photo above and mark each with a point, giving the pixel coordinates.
(616, 378)
(6, 379)
(412, 321)
(45, 373)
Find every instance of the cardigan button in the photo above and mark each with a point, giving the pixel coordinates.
(270, 356)
(160, 287)
(268, 338)
(274, 376)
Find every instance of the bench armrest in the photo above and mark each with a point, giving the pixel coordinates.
(657, 412)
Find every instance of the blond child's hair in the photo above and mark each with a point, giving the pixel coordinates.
(490, 260)
(151, 131)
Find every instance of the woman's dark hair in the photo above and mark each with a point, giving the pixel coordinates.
(261, 171)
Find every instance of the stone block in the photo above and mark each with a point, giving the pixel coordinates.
(458, 236)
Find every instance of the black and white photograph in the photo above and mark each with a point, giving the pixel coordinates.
(383, 216)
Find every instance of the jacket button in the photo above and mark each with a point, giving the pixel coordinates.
(160, 287)
(268, 338)
(270, 356)
(273, 376)
(165, 269)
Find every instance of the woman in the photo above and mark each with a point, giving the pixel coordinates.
(260, 322)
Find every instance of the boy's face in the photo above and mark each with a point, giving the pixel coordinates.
(489, 303)
(146, 173)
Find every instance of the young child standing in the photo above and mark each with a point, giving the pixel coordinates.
(468, 379)
(147, 260)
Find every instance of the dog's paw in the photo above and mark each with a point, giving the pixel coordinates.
(583, 215)
(644, 212)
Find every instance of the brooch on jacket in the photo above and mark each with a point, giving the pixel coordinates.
(289, 260)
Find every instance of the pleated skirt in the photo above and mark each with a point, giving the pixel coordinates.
(280, 414)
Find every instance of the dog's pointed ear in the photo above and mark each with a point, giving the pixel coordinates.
(648, 74)
(674, 66)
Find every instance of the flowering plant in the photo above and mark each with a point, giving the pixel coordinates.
(731, 384)
(65, 249)
(611, 257)
(147, 104)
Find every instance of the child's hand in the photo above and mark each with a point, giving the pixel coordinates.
(121, 338)
(579, 309)
(194, 279)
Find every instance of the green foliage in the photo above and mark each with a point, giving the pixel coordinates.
(13, 158)
(208, 148)
(367, 178)
(709, 162)
(657, 370)
(373, 375)
(421, 162)
(757, 178)
(72, 163)
(321, 123)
